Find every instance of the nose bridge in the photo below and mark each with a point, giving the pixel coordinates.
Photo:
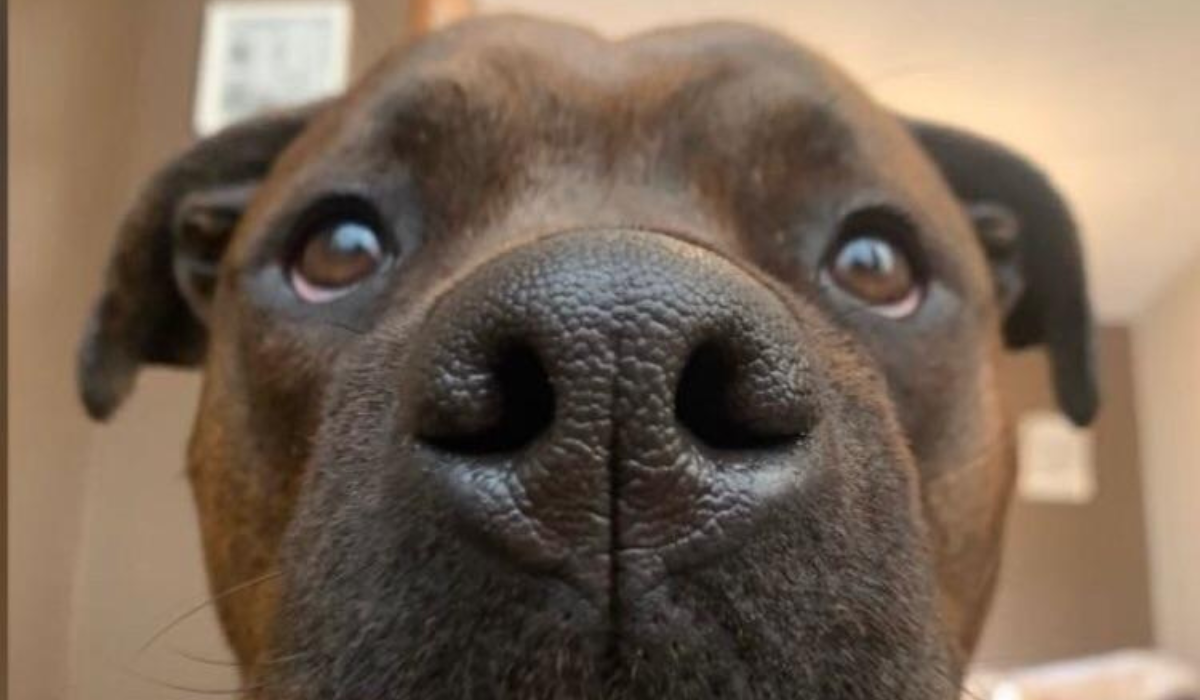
(614, 480)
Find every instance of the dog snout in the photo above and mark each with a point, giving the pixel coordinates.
(612, 406)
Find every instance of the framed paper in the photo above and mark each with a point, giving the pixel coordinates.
(261, 55)
(1055, 462)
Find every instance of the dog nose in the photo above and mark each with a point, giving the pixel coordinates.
(612, 406)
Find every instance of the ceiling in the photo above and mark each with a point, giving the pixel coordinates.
(1104, 94)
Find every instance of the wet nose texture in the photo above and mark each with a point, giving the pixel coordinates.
(611, 407)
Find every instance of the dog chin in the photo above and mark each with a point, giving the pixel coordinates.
(692, 641)
(585, 669)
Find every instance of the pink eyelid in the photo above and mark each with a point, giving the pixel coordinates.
(313, 294)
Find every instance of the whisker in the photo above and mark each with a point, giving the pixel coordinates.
(232, 663)
(195, 691)
(206, 661)
(211, 600)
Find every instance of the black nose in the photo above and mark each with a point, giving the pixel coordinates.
(612, 405)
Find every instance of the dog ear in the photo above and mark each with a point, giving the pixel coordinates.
(1031, 240)
(154, 303)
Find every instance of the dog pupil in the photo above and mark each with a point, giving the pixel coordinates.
(873, 270)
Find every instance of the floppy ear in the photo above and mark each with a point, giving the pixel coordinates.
(1032, 243)
(154, 303)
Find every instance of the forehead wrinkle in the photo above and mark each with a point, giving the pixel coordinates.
(490, 97)
(544, 75)
(803, 129)
(409, 115)
(720, 96)
(766, 130)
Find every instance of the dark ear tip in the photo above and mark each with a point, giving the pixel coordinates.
(99, 408)
(1076, 383)
(104, 373)
(1082, 409)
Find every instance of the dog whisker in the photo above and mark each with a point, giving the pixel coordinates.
(233, 663)
(209, 601)
(231, 692)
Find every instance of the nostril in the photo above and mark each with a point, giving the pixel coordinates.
(705, 405)
(526, 408)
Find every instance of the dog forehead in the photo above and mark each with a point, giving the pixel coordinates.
(503, 42)
(518, 70)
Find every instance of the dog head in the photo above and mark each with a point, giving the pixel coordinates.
(541, 366)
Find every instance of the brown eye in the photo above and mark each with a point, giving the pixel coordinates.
(878, 272)
(335, 257)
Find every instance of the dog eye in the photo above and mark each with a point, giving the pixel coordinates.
(334, 256)
(871, 264)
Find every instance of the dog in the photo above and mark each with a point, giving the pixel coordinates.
(544, 366)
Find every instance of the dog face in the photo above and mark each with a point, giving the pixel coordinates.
(541, 367)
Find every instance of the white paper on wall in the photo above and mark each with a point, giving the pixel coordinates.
(261, 55)
(1055, 461)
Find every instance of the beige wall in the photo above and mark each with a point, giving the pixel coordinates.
(1167, 354)
(1074, 579)
(70, 76)
(102, 533)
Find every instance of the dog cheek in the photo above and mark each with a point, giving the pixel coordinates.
(966, 505)
(831, 590)
(245, 487)
(239, 531)
(282, 380)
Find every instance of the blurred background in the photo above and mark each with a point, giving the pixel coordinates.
(1103, 549)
